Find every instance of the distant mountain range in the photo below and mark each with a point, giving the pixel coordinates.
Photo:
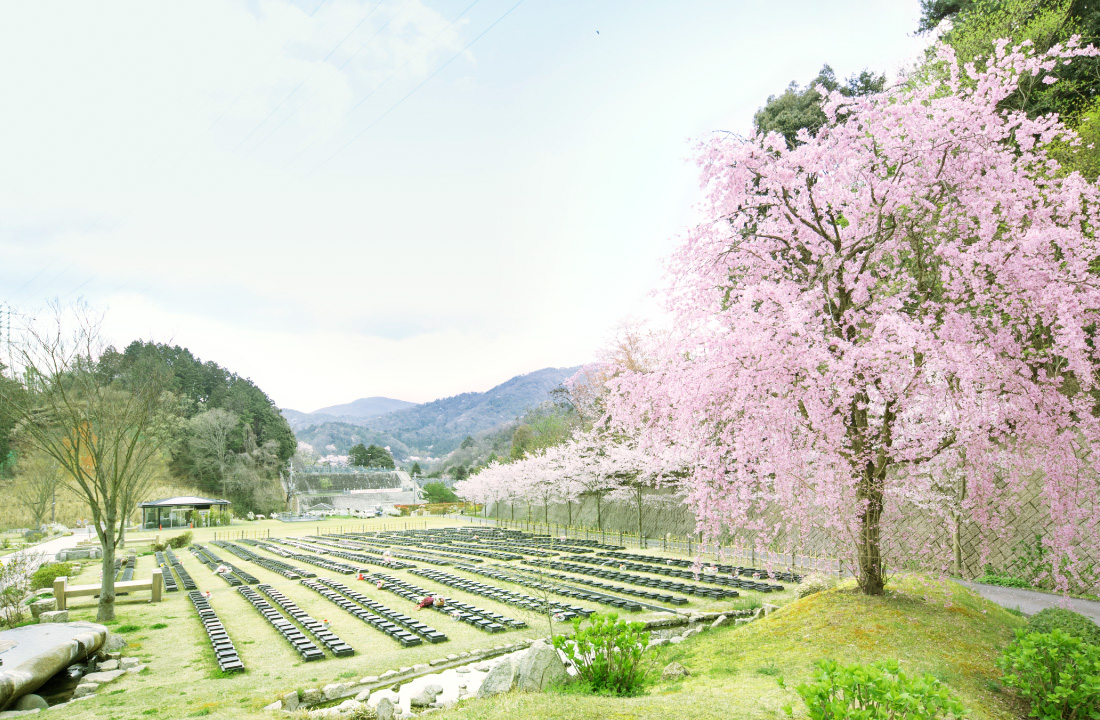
(434, 428)
(366, 407)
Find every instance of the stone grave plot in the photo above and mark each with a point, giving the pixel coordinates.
(275, 566)
(508, 574)
(669, 571)
(406, 638)
(224, 652)
(491, 554)
(348, 544)
(320, 562)
(520, 537)
(505, 546)
(127, 573)
(235, 577)
(508, 597)
(166, 572)
(301, 644)
(480, 618)
(643, 580)
(185, 577)
(356, 557)
(624, 590)
(326, 637)
(428, 633)
(784, 576)
(484, 541)
(359, 557)
(365, 540)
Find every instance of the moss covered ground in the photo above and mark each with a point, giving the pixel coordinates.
(930, 626)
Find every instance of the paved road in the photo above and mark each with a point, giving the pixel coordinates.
(1031, 602)
(50, 548)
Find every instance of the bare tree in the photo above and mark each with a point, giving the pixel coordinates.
(35, 486)
(210, 433)
(102, 430)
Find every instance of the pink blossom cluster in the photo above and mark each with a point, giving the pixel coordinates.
(895, 317)
(589, 464)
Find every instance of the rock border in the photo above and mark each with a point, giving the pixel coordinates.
(315, 697)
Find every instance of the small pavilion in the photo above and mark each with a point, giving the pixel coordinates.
(178, 511)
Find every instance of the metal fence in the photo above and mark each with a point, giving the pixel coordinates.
(677, 545)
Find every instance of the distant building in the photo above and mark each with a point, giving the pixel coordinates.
(178, 511)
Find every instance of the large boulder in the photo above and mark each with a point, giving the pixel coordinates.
(33, 654)
(30, 702)
(385, 709)
(114, 643)
(54, 616)
(500, 679)
(84, 689)
(333, 691)
(311, 697)
(674, 671)
(40, 606)
(290, 701)
(540, 667)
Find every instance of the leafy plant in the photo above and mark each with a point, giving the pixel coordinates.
(1058, 674)
(1067, 621)
(1005, 581)
(874, 691)
(608, 653)
(45, 575)
(180, 541)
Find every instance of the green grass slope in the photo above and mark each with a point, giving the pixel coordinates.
(930, 626)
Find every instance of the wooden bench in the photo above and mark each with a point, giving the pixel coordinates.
(62, 591)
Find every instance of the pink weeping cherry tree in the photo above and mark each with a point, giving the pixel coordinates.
(909, 295)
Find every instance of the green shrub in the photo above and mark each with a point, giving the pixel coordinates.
(1005, 581)
(45, 575)
(180, 541)
(1067, 621)
(33, 537)
(878, 690)
(1058, 674)
(608, 653)
(362, 712)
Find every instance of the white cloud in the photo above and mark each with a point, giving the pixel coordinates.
(170, 161)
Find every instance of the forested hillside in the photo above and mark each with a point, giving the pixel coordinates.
(438, 427)
(229, 439)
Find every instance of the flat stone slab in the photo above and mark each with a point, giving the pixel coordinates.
(34, 653)
(103, 677)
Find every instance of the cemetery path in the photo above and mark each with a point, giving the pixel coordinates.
(50, 548)
(1032, 601)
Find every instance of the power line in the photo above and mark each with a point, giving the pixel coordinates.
(311, 74)
(368, 96)
(415, 89)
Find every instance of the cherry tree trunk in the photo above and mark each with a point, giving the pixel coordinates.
(872, 576)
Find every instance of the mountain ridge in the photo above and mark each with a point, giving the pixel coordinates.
(435, 427)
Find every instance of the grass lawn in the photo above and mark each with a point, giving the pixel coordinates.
(182, 679)
(929, 625)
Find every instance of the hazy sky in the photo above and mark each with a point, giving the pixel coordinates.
(409, 198)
